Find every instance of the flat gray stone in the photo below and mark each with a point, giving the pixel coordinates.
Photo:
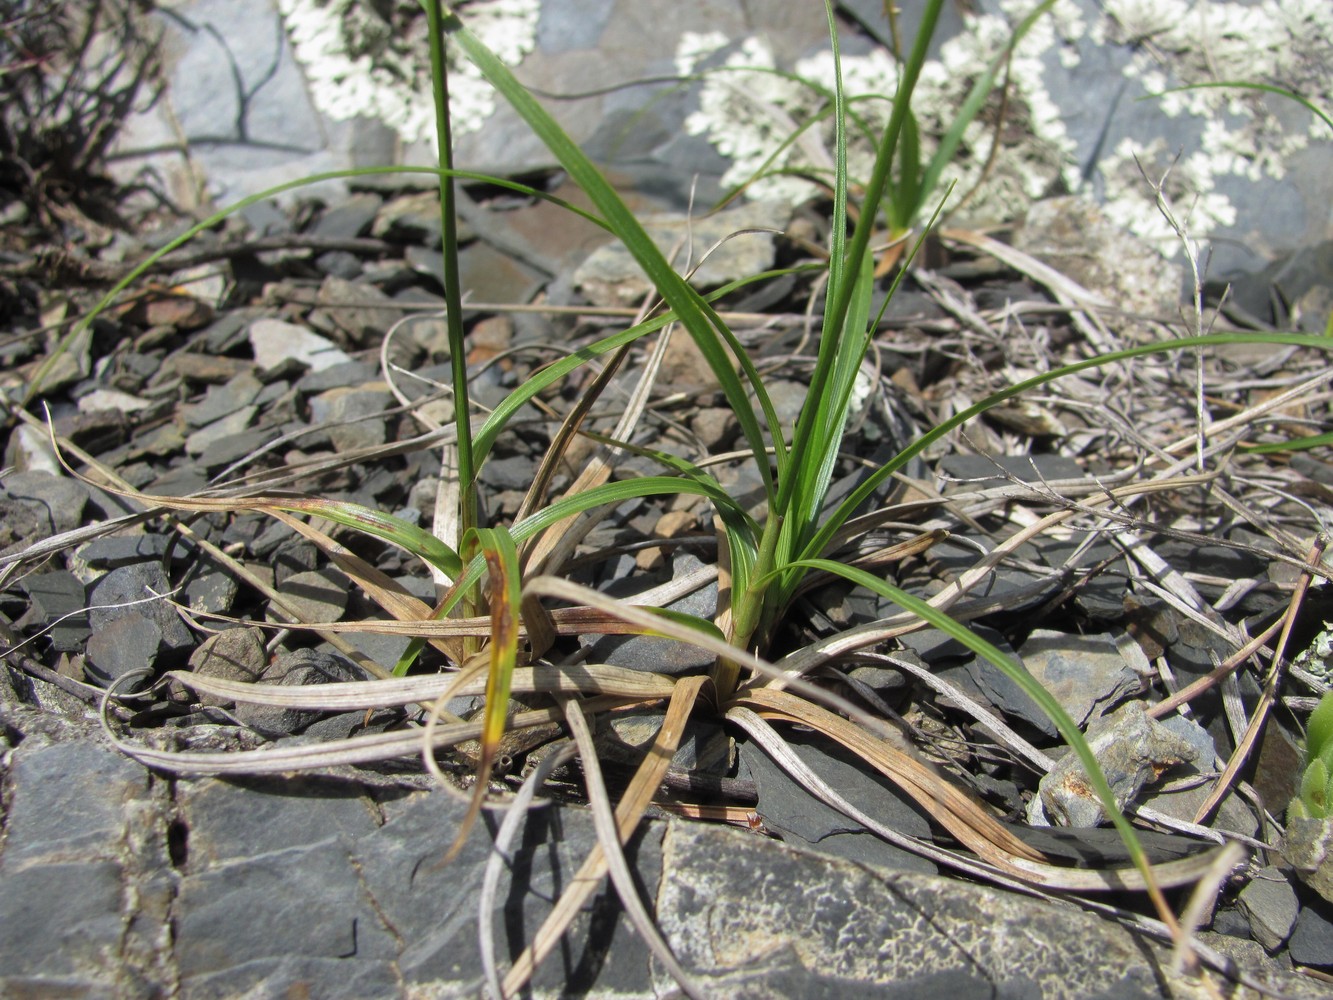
(222, 400)
(303, 901)
(830, 928)
(69, 803)
(58, 596)
(58, 501)
(62, 925)
(128, 592)
(231, 821)
(236, 654)
(1085, 673)
(795, 815)
(275, 341)
(1312, 939)
(1270, 904)
(130, 642)
(353, 414)
(349, 218)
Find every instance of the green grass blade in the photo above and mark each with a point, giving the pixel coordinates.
(453, 287)
(835, 318)
(863, 492)
(1016, 672)
(702, 324)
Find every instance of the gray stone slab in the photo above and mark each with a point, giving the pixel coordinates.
(69, 801)
(234, 820)
(303, 901)
(298, 976)
(830, 928)
(61, 922)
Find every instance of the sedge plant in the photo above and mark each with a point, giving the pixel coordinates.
(496, 636)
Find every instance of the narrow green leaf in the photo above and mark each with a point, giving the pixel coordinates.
(701, 322)
(1016, 672)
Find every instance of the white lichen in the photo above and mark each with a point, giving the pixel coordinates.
(373, 60)
(751, 113)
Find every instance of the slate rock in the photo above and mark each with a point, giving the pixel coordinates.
(63, 929)
(798, 817)
(130, 642)
(1270, 904)
(1312, 939)
(57, 501)
(1308, 847)
(347, 373)
(339, 264)
(815, 927)
(274, 341)
(353, 415)
(303, 901)
(220, 430)
(112, 596)
(115, 551)
(223, 400)
(358, 309)
(663, 656)
(29, 450)
(1085, 673)
(298, 976)
(244, 818)
(301, 666)
(317, 595)
(611, 277)
(224, 451)
(69, 801)
(236, 654)
(58, 597)
(213, 592)
(349, 218)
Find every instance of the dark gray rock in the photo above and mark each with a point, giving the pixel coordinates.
(353, 414)
(57, 501)
(112, 596)
(123, 550)
(236, 654)
(302, 666)
(348, 373)
(223, 400)
(303, 901)
(1312, 939)
(293, 975)
(232, 820)
(69, 801)
(130, 642)
(57, 598)
(831, 928)
(665, 656)
(1270, 903)
(340, 264)
(316, 595)
(211, 591)
(233, 447)
(798, 817)
(349, 218)
(63, 929)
